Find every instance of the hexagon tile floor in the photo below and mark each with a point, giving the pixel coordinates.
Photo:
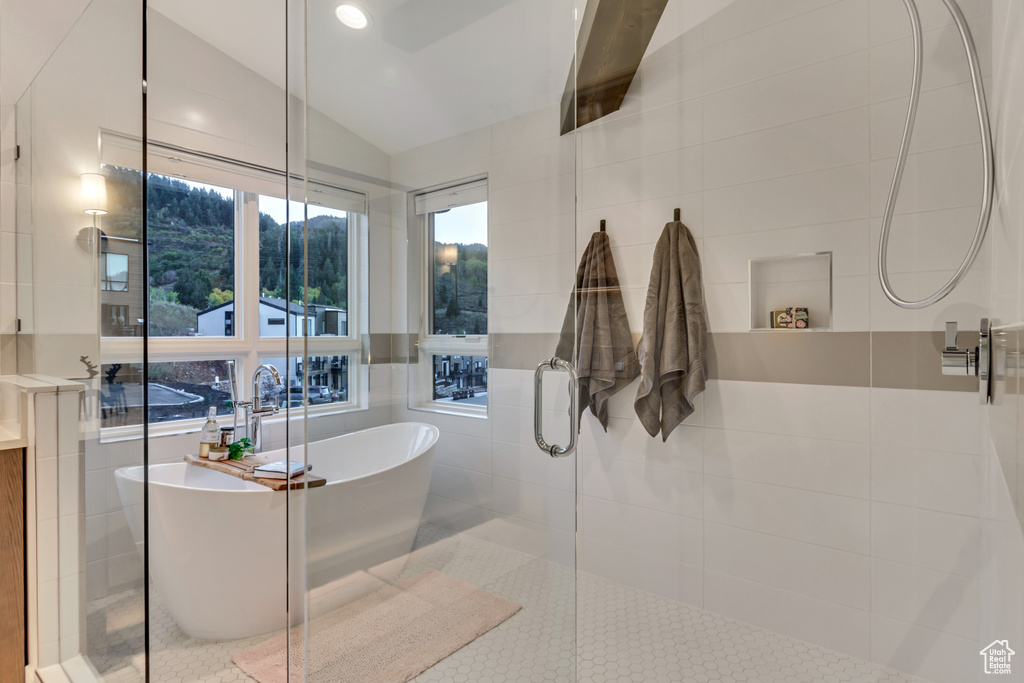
(624, 635)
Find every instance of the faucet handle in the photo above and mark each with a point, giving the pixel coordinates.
(957, 361)
(950, 335)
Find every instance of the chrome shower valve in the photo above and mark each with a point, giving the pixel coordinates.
(957, 361)
(968, 361)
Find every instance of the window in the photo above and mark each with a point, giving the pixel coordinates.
(115, 319)
(178, 390)
(115, 272)
(460, 379)
(315, 381)
(122, 302)
(220, 288)
(453, 341)
(327, 266)
(192, 235)
(459, 277)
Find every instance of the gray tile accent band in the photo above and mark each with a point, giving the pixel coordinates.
(910, 360)
(379, 345)
(893, 360)
(791, 357)
(386, 347)
(511, 351)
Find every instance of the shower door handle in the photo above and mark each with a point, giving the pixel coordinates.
(554, 450)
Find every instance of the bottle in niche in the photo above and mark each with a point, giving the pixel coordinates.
(210, 435)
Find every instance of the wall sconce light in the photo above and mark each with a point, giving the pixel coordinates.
(94, 203)
(448, 254)
(94, 194)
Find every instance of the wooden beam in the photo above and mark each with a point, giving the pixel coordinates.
(614, 36)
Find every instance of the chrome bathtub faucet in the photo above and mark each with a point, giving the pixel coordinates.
(254, 411)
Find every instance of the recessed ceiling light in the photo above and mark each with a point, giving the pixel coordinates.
(352, 16)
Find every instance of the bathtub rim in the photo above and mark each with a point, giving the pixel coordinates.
(129, 472)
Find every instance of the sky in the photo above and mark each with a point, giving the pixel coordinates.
(222, 191)
(462, 225)
(274, 207)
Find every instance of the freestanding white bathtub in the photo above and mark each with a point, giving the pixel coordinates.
(217, 543)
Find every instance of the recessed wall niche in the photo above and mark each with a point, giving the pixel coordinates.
(797, 281)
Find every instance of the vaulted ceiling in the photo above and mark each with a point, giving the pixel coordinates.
(425, 69)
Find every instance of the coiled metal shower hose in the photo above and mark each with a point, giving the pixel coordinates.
(901, 160)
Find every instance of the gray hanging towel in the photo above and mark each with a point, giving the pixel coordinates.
(673, 346)
(606, 361)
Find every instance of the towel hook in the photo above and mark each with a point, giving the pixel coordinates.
(602, 225)
(676, 215)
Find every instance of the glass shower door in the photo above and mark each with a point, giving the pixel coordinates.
(455, 555)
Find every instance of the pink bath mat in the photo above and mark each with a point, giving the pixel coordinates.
(389, 636)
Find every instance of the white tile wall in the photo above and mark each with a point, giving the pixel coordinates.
(823, 412)
(837, 467)
(838, 84)
(820, 518)
(808, 569)
(816, 36)
(818, 621)
(931, 654)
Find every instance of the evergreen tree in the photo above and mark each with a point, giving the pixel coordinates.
(193, 289)
(453, 310)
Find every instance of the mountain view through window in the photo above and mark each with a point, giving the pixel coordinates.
(460, 271)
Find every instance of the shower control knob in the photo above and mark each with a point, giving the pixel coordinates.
(975, 361)
(957, 361)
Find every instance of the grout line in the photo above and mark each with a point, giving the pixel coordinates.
(790, 70)
(871, 364)
(762, 26)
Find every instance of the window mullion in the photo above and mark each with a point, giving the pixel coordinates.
(251, 281)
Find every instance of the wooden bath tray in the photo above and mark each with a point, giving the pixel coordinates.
(243, 470)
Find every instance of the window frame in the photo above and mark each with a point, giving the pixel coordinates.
(430, 344)
(105, 280)
(247, 347)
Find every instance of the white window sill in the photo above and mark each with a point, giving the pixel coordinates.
(478, 412)
(181, 427)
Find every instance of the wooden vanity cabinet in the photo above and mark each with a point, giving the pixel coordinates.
(12, 566)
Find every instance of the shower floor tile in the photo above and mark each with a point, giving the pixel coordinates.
(624, 635)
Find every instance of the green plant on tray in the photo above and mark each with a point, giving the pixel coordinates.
(238, 449)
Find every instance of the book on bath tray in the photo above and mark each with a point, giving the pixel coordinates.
(281, 469)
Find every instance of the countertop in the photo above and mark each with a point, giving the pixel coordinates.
(12, 422)
(10, 439)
